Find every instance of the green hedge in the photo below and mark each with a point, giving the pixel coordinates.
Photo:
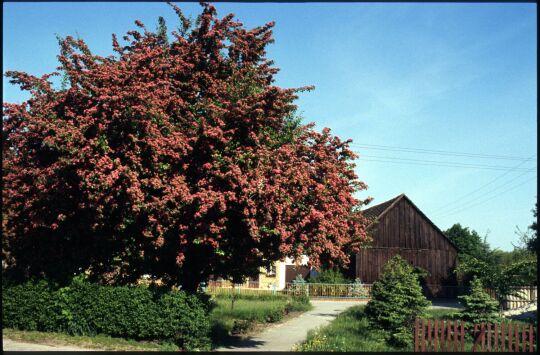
(135, 312)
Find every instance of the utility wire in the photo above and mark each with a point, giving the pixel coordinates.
(442, 162)
(460, 199)
(491, 198)
(435, 152)
(495, 189)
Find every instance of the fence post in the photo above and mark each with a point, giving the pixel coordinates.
(449, 336)
(523, 338)
(436, 336)
(442, 340)
(516, 336)
(496, 340)
(423, 335)
(455, 335)
(482, 335)
(475, 337)
(429, 335)
(531, 340)
(462, 336)
(416, 345)
(489, 337)
(503, 338)
(510, 336)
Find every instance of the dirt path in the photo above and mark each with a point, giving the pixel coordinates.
(282, 337)
(12, 345)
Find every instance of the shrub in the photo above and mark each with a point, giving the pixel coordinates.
(136, 312)
(479, 306)
(241, 326)
(396, 300)
(358, 289)
(33, 306)
(330, 276)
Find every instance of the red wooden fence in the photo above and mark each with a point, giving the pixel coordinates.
(449, 335)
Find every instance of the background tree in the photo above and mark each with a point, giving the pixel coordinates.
(397, 300)
(533, 244)
(175, 157)
(468, 242)
(472, 250)
(529, 238)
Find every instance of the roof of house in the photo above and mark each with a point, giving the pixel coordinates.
(376, 212)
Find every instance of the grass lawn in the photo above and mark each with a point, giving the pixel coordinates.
(350, 331)
(249, 314)
(100, 342)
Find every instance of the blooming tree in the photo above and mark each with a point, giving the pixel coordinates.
(175, 157)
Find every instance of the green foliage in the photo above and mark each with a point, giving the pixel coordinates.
(330, 276)
(249, 310)
(479, 306)
(505, 280)
(396, 301)
(498, 270)
(32, 306)
(358, 289)
(468, 242)
(299, 280)
(135, 312)
(98, 342)
(263, 309)
(532, 243)
(471, 250)
(350, 331)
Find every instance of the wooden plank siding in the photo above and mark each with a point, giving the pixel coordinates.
(403, 229)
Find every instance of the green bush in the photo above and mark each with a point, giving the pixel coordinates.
(33, 306)
(479, 307)
(135, 312)
(396, 301)
(330, 276)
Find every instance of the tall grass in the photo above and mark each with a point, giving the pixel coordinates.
(248, 310)
(350, 331)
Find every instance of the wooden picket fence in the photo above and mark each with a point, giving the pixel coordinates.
(450, 335)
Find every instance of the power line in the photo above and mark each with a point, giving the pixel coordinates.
(491, 198)
(435, 152)
(495, 189)
(460, 200)
(442, 162)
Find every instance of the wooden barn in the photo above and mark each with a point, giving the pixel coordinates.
(399, 227)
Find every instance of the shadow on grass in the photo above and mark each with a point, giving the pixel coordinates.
(222, 338)
(244, 343)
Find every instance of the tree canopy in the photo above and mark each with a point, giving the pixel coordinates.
(468, 242)
(176, 157)
(532, 241)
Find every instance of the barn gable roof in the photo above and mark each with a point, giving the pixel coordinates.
(375, 213)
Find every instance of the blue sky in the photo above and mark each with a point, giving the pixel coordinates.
(396, 78)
